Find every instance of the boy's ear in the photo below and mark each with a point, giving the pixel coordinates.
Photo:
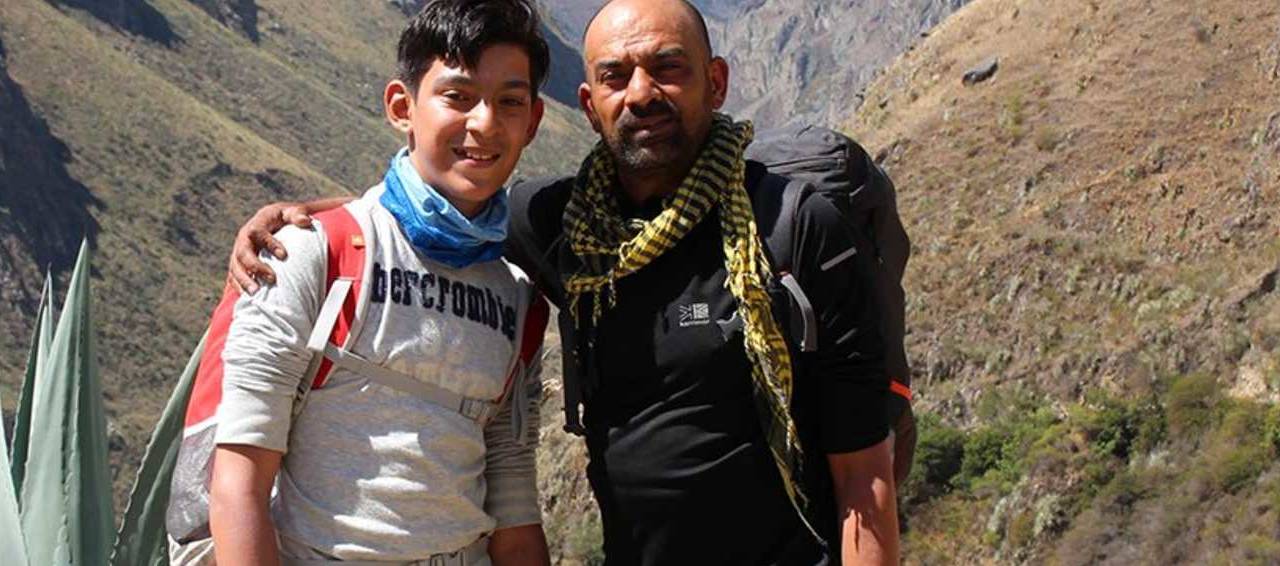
(397, 102)
(538, 108)
(584, 102)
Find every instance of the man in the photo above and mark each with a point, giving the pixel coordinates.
(653, 256)
(383, 469)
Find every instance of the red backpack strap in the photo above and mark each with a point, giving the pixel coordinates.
(535, 327)
(206, 392)
(346, 261)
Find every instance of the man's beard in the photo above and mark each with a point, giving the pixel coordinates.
(633, 155)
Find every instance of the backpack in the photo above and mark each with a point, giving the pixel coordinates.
(840, 170)
(337, 324)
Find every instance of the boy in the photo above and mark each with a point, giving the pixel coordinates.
(368, 472)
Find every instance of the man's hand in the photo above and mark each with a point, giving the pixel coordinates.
(519, 546)
(867, 505)
(244, 266)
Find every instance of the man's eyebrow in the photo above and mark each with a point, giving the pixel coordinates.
(608, 64)
(670, 53)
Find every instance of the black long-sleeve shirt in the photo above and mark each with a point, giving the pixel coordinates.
(679, 466)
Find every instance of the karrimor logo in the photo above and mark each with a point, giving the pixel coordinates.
(696, 314)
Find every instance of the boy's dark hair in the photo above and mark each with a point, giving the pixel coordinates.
(458, 31)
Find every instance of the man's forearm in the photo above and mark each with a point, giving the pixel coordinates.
(869, 530)
(321, 205)
(867, 505)
(519, 546)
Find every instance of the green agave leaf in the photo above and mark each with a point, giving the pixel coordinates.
(142, 539)
(11, 539)
(36, 360)
(65, 504)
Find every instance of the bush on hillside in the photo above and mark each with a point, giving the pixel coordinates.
(1190, 403)
(939, 452)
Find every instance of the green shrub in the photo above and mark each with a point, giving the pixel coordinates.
(1191, 402)
(939, 452)
(1118, 428)
(1271, 430)
(1238, 467)
(983, 451)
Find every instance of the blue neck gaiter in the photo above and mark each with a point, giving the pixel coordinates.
(435, 227)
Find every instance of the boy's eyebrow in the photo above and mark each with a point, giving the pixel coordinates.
(453, 79)
(462, 80)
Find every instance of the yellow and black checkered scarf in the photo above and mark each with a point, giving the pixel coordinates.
(612, 247)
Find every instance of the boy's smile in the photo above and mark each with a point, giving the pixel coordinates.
(467, 127)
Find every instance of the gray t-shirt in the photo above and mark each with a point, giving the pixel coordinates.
(371, 473)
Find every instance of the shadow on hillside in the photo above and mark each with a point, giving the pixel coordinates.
(41, 206)
(133, 16)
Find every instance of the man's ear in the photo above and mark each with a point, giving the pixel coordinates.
(718, 73)
(538, 108)
(584, 102)
(397, 103)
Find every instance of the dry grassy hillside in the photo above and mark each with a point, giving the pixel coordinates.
(156, 127)
(1092, 311)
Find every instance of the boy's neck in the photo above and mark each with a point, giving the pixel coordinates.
(468, 209)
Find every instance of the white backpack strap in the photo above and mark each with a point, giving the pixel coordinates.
(478, 410)
(319, 338)
(328, 315)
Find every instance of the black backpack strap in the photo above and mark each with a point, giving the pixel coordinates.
(775, 200)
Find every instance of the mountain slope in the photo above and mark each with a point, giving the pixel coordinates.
(155, 128)
(1092, 302)
(808, 61)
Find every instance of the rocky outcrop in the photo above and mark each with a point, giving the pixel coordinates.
(239, 15)
(133, 16)
(806, 60)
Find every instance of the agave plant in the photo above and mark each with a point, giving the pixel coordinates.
(59, 486)
(55, 487)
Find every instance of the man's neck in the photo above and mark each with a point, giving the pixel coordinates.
(641, 186)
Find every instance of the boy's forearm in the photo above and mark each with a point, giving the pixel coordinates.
(242, 532)
(239, 506)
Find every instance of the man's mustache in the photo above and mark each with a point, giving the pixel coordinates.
(655, 109)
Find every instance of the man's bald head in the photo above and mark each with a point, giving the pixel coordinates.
(692, 11)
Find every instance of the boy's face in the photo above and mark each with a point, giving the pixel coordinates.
(467, 127)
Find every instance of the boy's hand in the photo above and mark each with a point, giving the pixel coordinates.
(244, 266)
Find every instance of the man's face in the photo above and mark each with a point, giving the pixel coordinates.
(651, 84)
(467, 127)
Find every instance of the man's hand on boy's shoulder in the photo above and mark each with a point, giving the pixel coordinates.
(258, 234)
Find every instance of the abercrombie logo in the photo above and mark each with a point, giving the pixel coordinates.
(462, 300)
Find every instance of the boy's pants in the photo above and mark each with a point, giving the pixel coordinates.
(200, 553)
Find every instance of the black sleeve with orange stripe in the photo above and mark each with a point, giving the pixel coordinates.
(836, 269)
